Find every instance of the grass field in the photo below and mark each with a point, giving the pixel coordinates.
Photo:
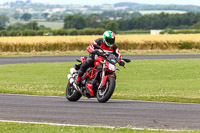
(153, 80)
(41, 128)
(52, 25)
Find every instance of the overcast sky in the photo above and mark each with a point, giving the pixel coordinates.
(98, 2)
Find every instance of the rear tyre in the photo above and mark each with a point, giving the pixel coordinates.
(107, 90)
(72, 94)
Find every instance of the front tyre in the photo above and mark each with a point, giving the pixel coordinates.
(104, 94)
(72, 94)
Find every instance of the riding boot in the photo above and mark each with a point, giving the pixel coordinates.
(83, 68)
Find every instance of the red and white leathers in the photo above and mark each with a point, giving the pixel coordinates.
(113, 49)
(90, 60)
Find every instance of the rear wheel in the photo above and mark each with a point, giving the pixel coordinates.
(71, 93)
(104, 94)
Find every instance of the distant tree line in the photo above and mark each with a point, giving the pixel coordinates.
(160, 21)
(134, 21)
(32, 25)
(145, 22)
(60, 32)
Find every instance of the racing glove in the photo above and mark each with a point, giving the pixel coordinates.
(121, 63)
(96, 51)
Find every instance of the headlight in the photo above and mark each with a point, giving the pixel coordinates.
(112, 67)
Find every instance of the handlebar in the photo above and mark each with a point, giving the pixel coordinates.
(105, 55)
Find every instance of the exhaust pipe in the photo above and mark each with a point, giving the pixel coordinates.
(77, 88)
(71, 78)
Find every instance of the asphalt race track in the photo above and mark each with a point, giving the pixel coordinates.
(15, 60)
(89, 112)
(120, 113)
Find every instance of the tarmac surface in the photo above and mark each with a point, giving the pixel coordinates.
(118, 113)
(37, 59)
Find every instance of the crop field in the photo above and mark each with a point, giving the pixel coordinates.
(175, 80)
(125, 42)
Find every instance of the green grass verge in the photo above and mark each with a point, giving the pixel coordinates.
(41, 128)
(175, 80)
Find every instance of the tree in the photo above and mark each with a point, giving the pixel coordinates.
(45, 15)
(136, 14)
(74, 21)
(113, 26)
(16, 15)
(2, 28)
(92, 21)
(196, 26)
(3, 20)
(26, 16)
(16, 26)
(32, 25)
(53, 18)
(124, 24)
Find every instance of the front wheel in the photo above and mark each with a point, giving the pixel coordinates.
(104, 94)
(71, 93)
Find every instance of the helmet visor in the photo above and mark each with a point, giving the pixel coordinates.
(110, 40)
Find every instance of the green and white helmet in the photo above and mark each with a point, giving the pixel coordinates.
(109, 38)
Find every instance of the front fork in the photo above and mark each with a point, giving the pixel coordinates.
(104, 70)
(102, 79)
(103, 73)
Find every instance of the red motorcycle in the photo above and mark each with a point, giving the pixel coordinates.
(98, 81)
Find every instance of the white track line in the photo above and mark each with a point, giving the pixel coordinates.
(73, 125)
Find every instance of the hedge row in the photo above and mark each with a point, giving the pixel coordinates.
(82, 46)
(61, 32)
(134, 32)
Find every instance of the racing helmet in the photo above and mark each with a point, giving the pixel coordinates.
(109, 38)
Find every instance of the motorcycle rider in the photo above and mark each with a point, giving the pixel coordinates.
(107, 43)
